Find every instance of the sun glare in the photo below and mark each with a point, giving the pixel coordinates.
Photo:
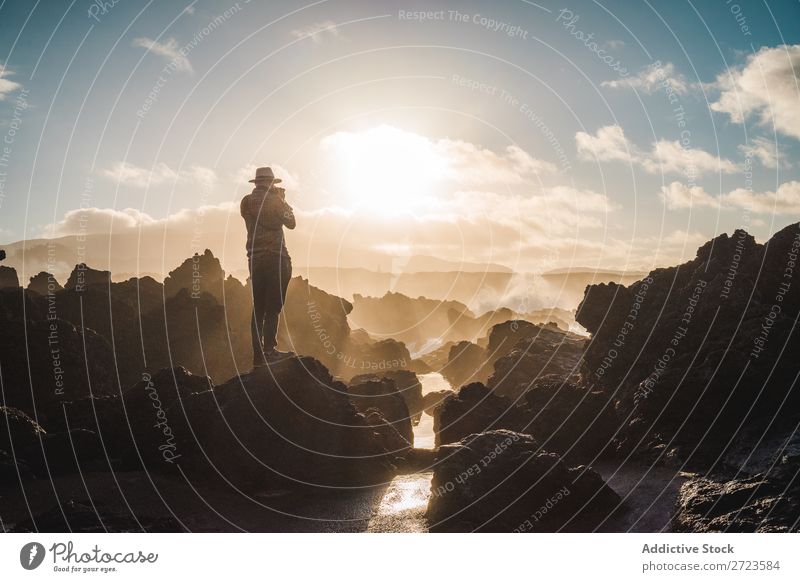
(386, 169)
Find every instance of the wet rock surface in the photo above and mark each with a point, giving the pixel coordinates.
(503, 481)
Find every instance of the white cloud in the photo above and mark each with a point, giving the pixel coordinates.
(318, 31)
(767, 86)
(768, 152)
(6, 85)
(679, 196)
(169, 50)
(652, 78)
(786, 200)
(611, 144)
(139, 177)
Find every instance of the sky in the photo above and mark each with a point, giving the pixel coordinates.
(534, 135)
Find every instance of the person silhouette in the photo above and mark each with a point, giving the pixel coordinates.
(266, 212)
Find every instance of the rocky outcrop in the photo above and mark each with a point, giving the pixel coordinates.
(8, 278)
(381, 394)
(767, 502)
(44, 283)
(289, 424)
(466, 362)
(433, 399)
(407, 384)
(473, 409)
(541, 351)
(697, 357)
(502, 481)
(84, 277)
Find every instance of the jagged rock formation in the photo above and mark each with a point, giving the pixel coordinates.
(502, 481)
(473, 409)
(695, 355)
(44, 283)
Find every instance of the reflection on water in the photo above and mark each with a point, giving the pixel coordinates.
(402, 508)
(424, 437)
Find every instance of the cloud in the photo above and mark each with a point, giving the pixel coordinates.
(318, 31)
(190, 9)
(138, 177)
(6, 85)
(768, 152)
(611, 144)
(652, 78)
(679, 196)
(767, 86)
(169, 50)
(785, 200)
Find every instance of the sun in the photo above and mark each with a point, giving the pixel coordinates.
(386, 169)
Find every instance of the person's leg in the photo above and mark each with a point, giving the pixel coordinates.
(259, 280)
(281, 274)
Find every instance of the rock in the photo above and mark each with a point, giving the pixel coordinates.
(473, 409)
(383, 395)
(288, 425)
(93, 516)
(502, 481)
(13, 471)
(54, 366)
(64, 453)
(540, 351)
(433, 399)
(198, 274)
(691, 354)
(8, 278)
(18, 430)
(44, 283)
(407, 384)
(396, 444)
(84, 277)
(768, 502)
(569, 419)
(466, 362)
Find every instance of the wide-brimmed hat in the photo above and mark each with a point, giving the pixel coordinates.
(266, 175)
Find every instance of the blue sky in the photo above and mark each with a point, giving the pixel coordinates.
(496, 133)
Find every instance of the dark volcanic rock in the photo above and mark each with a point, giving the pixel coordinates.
(287, 424)
(700, 356)
(382, 394)
(8, 277)
(541, 351)
(83, 277)
(473, 409)
(502, 481)
(17, 430)
(407, 384)
(466, 362)
(44, 283)
(198, 274)
(90, 516)
(768, 502)
(568, 418)
(433, 399)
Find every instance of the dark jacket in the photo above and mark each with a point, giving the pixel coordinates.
(265, 213)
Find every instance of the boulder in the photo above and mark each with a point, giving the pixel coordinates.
(8, 277)
(18, 430)
(767, 502)
(407, 384)
(502, 481)
(383, 395)
(473, 409)
(289, 425)
(433, 399)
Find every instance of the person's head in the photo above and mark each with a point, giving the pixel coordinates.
(265, 178)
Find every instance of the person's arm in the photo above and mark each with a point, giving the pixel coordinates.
(288, 216)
